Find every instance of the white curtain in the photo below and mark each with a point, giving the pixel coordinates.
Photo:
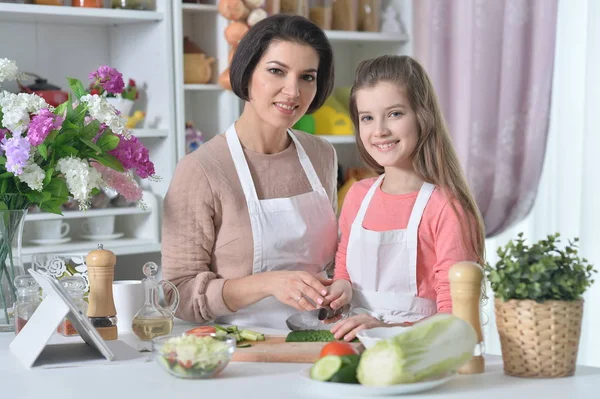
(568, 200)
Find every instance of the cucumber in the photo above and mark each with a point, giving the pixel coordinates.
(249, 335)
(325, 368)
(310, 336)
(347, 373)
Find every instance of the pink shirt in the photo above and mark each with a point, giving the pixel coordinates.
(439, 238)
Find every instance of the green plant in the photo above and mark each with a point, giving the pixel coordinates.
(541, 271)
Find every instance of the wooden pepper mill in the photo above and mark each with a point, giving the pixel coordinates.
(465, 289)
(101, 308)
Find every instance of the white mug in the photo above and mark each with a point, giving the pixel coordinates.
(51, 229)
(129, 298)
(99, 226)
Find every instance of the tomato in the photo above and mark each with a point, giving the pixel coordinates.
(201, 331)
(337, 349)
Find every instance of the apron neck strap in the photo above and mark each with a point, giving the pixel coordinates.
(309, 170)
(367, 200)
(243, 171)
(417, 211)
(241, 166)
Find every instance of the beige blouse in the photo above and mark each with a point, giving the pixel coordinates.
(206, 231)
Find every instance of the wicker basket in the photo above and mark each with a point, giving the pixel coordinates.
(539, 340)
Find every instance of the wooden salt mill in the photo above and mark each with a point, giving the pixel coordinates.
(101, 308)
(465, 289)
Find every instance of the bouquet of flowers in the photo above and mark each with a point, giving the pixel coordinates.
(49, 154)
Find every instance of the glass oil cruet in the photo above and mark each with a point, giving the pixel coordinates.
(154, 320)
(28, 300)
(75, 287)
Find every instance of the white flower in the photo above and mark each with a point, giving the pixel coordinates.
(81, 179)
(8, 69)
(33, 175)
(102, 111)
(56, 266)
(16, 109)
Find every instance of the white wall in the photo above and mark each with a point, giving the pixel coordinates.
(567, 200)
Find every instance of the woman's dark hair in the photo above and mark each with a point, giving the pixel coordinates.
(282, 27)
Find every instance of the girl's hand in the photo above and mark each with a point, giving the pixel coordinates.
(293, 288)
(348, 328)
(340, 294)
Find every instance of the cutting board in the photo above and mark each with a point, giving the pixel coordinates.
(274, 349)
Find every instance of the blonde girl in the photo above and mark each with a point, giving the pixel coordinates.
(402, 231)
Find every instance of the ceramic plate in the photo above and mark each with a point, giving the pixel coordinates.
(51, 241)
(113, 236)
(356, 390)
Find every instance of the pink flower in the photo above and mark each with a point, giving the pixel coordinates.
(134, 156)
(41, 125)
(120, 182)
(108, 78)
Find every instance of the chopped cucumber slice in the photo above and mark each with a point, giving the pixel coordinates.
(325, 368)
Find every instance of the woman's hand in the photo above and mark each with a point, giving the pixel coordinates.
(348, 328)
(293, 288)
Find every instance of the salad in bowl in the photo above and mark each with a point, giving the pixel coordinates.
(193, 356)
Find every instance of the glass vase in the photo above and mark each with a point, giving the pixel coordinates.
(11, 265)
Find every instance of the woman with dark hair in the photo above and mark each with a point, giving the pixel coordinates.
(249, 219)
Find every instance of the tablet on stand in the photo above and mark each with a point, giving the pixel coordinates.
(31, 344)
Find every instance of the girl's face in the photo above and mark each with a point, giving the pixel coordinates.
(284, 83)
(387, 124)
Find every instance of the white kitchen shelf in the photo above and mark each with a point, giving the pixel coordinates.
(74, 15)
(199, 7)
(132, 210)
(203, 87)
(379, 37)
(121, 246)
(338, 139)
(140, 133)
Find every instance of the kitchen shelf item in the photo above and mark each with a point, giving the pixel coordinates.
(465, 290)
(153, 319)
(101, 309)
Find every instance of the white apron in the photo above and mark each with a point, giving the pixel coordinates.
(296, 233)
(383, 266)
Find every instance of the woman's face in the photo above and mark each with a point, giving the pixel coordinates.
(284, 83)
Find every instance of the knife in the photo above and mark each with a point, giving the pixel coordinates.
(327, 313)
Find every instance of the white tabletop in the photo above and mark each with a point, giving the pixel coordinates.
(252, 380)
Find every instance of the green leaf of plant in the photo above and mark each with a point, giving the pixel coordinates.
(58, 188)
(91, 129)
(110, 161)
(108, 142)
(52, 208)
(48, 176)
(91, 144)
(50, 138)
(43, 150)
(2, 160)
(77, 87)
(68, 151)
(60, 110)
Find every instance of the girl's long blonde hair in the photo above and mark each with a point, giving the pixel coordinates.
(434, 158)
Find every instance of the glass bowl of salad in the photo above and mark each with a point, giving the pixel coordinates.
(192, 356)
